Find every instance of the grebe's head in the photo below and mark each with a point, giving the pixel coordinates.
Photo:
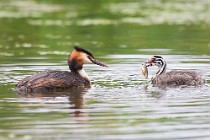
(156, 61)
(80, 56)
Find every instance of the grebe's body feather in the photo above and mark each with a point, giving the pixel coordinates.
(47, 80)
(178, 77)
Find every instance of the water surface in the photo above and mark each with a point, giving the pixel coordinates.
(37, 35)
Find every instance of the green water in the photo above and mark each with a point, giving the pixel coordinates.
(36, 35)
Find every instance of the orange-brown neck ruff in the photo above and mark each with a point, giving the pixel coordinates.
(75, 61)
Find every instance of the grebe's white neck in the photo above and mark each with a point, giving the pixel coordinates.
(161, 63)
(82, 73)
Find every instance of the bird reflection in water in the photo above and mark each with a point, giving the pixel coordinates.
(75, 96)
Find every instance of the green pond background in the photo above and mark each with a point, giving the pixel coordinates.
(36, 35)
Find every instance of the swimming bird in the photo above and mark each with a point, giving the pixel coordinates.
(174, 77)
(75, 78)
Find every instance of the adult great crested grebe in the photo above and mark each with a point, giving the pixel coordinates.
(47, 80)
(174, 77)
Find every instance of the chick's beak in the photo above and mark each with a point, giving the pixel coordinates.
(97, 62)
(150, 62)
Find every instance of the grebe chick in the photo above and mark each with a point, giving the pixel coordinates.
(48, 80)
(174, 77)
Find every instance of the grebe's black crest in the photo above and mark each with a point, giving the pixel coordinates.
(83, 50)
(156, 56)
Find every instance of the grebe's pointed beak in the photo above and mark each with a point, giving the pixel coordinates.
(97, 62)
(148, 64)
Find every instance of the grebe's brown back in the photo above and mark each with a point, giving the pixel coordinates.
(174, 77)
(47, 80)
